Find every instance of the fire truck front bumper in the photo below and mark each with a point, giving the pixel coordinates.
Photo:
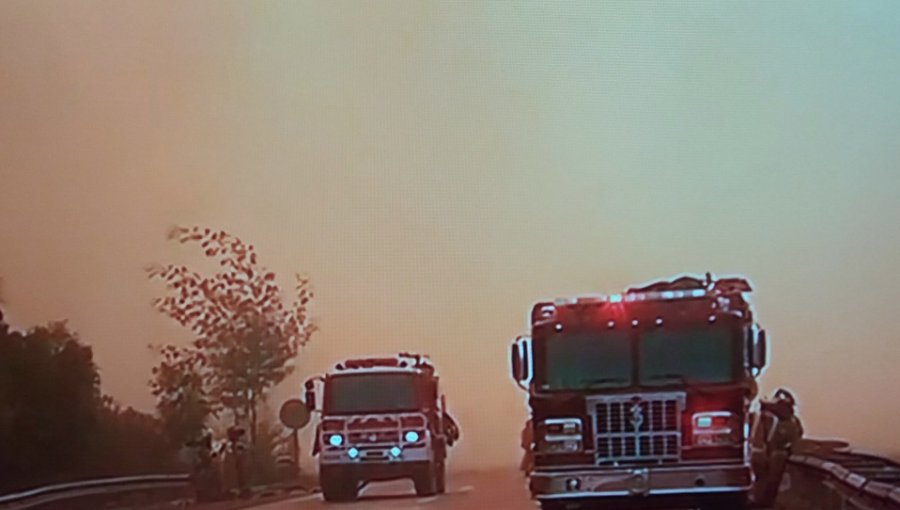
(641, 482)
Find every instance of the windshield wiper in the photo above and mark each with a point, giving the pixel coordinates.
(683, 379)
(603, 381)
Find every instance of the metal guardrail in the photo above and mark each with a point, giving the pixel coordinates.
(102, 488)
(864, 481)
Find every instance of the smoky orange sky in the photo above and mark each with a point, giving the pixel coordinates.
(437, 168)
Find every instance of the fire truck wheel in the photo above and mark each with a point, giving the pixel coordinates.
(441, 478)
(727, 503)
(339, 489)
(553, 505)
(426, 481)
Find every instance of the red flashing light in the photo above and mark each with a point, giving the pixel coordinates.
(370, 363)
(713, 420)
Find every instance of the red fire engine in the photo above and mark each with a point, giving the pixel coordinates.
(643, 397)
(382, 419)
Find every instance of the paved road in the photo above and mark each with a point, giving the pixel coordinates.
(489, 491)
(474, 491)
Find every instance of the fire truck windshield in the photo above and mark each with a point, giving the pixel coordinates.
(371, 393)
(584, 360)
(691, 356)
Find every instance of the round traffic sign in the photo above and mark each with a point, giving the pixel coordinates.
(294, 414)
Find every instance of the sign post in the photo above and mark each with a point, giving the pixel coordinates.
(295, 415)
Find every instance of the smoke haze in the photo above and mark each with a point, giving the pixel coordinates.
(437, 168)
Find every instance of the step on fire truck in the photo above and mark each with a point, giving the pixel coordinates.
(381, 419)
(643, 398)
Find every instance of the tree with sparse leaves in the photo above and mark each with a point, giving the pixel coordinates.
(246, 336)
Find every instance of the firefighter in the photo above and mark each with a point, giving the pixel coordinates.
(777, 430)
(527, 463)
(239, 453)
(205, 477)
(451, 429)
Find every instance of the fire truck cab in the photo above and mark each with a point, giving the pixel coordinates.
(381, 419)
(642, 398)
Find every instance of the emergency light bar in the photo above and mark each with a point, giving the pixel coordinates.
(371, 363)
(628, 297)
(665, 295)
(404, 360)
(724, 290)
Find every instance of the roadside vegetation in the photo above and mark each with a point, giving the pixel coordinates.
(246, 339)
(56, 425)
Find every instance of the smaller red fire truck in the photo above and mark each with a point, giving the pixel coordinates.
(381, 419)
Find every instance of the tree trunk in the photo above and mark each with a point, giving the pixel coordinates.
(253, 419)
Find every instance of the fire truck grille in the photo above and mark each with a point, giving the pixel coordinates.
(638, 429)
(375, 437)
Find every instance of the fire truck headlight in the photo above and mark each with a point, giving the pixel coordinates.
(411, 437)
(353, 453)
(560, 435)
(568, 446)
(717, 428)
(336, 440)
(395, 452)
(562, 428)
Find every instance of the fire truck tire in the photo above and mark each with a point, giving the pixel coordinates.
(339, 489)
(553, 505)
(739, 502)
(426, 481)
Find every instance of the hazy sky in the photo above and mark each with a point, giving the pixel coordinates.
(437, 168)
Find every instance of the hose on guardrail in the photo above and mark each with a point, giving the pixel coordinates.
(851, 480)
(777, 442)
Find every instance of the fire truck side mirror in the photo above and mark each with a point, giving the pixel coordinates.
(516, 361)
(520, 363)
(310, 396)
(758, 354)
